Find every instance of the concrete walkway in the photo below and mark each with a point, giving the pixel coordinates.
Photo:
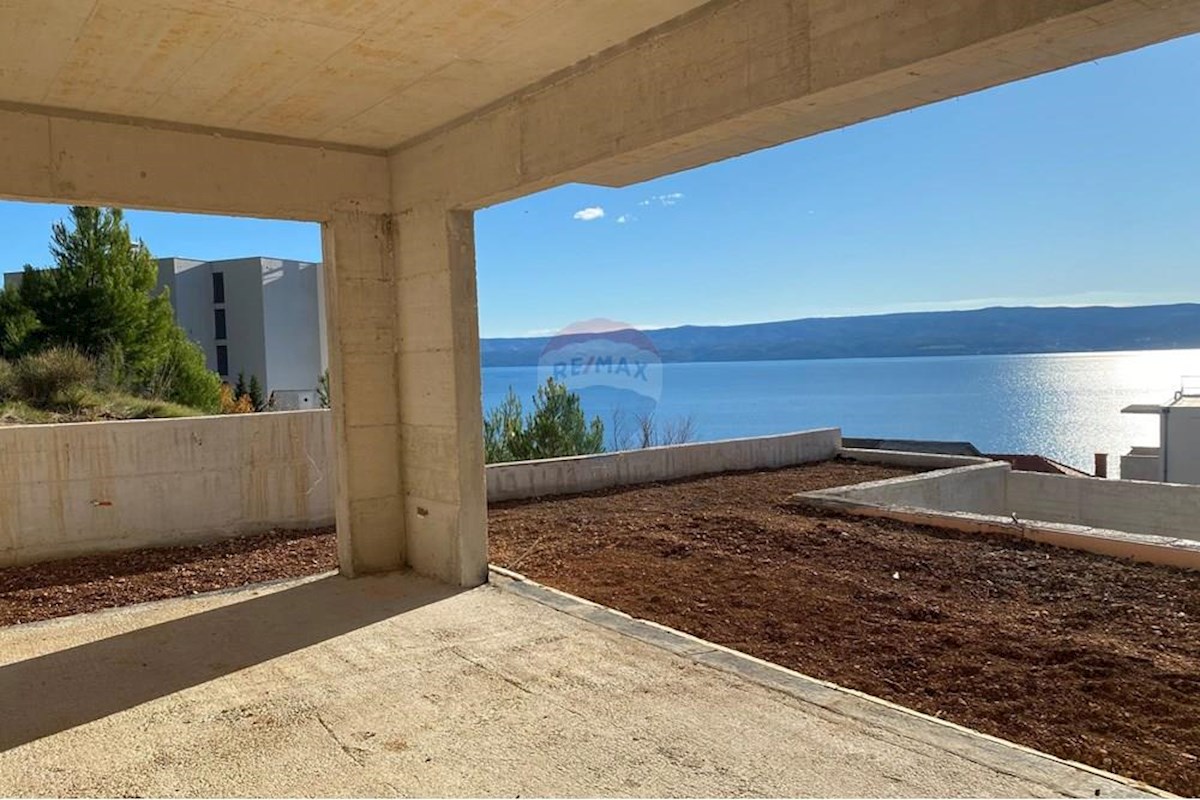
(395, 685)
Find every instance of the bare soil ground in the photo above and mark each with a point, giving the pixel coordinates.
(75, 585)
(1086, 657)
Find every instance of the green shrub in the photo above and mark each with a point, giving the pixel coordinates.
(7, 388)
(57, 376)
(323, 389)
(112, 370)
(18, 325)
(256, 394)
(182, 377)
(504, 437)
(557, 427)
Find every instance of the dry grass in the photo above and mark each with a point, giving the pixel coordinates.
(92, 406)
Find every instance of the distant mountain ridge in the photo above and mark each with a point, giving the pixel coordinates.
(985, 331)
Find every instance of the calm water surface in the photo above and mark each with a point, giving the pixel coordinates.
(1065, 406)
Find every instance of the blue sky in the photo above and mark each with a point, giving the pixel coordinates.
(1078, 187)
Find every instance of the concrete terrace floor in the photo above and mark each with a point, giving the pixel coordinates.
(399, 686)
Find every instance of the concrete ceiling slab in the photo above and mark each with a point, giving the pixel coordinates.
(361, 73)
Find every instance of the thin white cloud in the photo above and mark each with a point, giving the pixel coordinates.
(621, 220)
(669, 199)
(590, 213)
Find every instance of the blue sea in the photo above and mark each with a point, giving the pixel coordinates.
(1065, 406)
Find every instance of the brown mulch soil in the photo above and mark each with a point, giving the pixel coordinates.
(1086, 657)
(72, 586)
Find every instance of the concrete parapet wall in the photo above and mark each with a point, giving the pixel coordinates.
(977, 488)
(1162, 550)
(895, 458)
(75, 489)
(1140, 467)
(525, 479)
(993, 488)
(1159, 509)
(78, 489)
(1153, 522)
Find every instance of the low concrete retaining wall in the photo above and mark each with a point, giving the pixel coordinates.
(1166, 551)
(895, 458)
(978, 488)
(520, 480)
(1160, 509)
(993, 488)
(1153, 522)
(75, 489)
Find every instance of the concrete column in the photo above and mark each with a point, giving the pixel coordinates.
(360, 301)
(441, 431)
(405, 390)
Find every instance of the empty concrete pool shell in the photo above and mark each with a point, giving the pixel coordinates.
(1151, 522)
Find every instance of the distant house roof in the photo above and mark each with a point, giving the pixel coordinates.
(1024, 462)
(1028, 462)
(914, 446)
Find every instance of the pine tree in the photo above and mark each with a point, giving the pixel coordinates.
(100, 294)
(99, 300)
(256, 394)
(18, 325)
(556, 427)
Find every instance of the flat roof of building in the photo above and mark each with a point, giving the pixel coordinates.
(1183, 401)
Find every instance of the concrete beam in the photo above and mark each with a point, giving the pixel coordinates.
(740, 75)
(46, 158)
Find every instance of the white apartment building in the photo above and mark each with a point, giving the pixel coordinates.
(262, 317)
(1177, 457)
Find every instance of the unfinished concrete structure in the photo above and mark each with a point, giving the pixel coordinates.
(390, 122)
(1177, 457)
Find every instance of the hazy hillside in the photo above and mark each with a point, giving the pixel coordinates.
(984, 331)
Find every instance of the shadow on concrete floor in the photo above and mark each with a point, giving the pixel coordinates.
(66, 688)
